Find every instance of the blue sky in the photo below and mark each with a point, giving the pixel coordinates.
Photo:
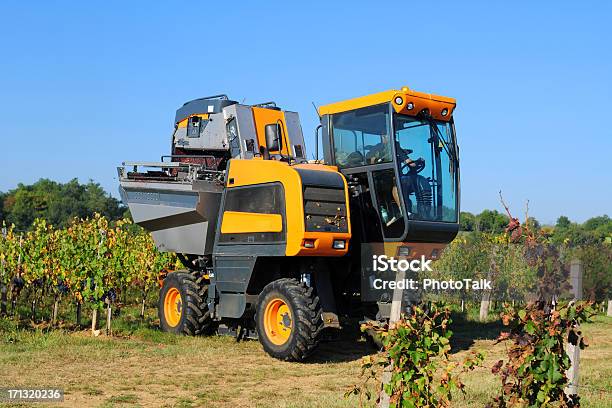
(86, 85)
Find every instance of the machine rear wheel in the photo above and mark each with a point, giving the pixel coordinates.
(182, 307)
(288, 320)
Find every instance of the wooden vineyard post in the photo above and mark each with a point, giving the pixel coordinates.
(576, 270)
(94, 317)
(397, 306)
(33, 309)
(3, 287)
(94, 320)
(55, 309)
(13, 297)
(3, 299)
(485, 303)
(108, 316)
(78, 313)
(142, 307)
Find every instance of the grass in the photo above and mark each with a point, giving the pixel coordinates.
(141, 366)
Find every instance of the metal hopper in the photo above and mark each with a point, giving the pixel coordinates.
(177, 202)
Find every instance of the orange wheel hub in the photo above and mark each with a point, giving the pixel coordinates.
(278, 322)
(173, 307)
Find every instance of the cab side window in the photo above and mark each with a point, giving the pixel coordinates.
(361, 137)
(262, 199)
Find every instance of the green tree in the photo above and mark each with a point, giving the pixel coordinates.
(467, 257)
(592, 224)
(563, 222)
(597, 278)
(600, 227)
(2, 196)
(592, 231)
(467, 221)
(533, 224)
(58, 203)
(26, 203)
(491, 221)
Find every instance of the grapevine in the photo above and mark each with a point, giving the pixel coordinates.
(89, 263)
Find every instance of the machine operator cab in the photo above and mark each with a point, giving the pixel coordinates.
(398, 152)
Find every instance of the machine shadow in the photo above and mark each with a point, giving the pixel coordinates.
(349, 345)
(466, 332)
(352, 345)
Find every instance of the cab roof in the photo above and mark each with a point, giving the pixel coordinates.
(405, 101)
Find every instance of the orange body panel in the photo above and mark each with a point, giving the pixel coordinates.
(263, 117)
(236, 222)
(251, 172)
(435, 103)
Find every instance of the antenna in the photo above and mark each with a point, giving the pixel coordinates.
(316, 109)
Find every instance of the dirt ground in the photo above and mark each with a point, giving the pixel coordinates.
(141, 366)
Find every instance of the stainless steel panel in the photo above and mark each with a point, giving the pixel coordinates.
(213, 137)
(187, 239)
(296, 137)
(182, 217)
(246, 127)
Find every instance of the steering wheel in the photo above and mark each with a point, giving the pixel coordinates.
(419, 166)
(355, 158)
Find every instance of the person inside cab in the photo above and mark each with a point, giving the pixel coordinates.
(414, 186)
(379, 153)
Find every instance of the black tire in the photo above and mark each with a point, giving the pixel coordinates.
(374, 340)
(194, 315)
(306, 323)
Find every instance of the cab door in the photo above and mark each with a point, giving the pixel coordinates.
(361, 145)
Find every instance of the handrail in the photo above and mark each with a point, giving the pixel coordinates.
(156, 164)
(266, 104)
(220, 96)
(192, 171)
(186, 156)
(317, 141)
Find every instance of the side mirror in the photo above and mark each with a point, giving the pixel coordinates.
(273, 137)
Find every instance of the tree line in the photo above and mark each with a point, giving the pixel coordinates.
(57, 203)
(593, 230)
(484, 249)
(483, 255)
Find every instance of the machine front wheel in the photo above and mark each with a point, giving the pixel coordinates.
(182, 305)
(288, 319)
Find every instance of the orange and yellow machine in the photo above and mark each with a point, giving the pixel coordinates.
(272, 242)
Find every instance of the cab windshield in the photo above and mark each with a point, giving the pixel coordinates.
(427, 167)
(382, 145)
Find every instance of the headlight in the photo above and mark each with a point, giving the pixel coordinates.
(444, 112)
(404, 251)
(398, 100)
(339, 244)
(409, 106)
